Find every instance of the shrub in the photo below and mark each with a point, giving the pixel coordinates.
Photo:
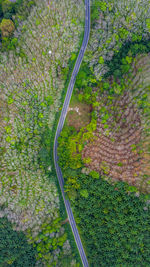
(7, 27)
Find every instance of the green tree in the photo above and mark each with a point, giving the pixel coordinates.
(7, 6)
(14, 249)
(84, 193)
(94, 174)
(7, 27)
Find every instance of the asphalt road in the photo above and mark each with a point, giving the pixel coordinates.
(60, 127)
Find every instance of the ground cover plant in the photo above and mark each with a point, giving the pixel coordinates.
(106, 163)
(33, 76)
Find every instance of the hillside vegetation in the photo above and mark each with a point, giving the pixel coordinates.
(106, 162)
(32, 84)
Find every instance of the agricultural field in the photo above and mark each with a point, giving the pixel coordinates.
(35, 67)
(104, 153)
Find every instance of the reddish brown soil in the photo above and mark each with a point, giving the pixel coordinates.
(81, 119)
(113, 154)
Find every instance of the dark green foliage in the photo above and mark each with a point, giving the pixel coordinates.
(45, 245)
(117, 67)
(14, 249)
(8, 8)
(1, 11)
(113, 221)
(114, 225)
(83, 76)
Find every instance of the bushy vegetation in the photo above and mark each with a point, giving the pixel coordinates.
(15, 250)
(32, 83)
(8, 8)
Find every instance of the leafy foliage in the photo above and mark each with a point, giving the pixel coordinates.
(114, 225)
(12, 13)
(15, 250)
(74, 144)
(114, 24)
(48, 240)
(7, 27)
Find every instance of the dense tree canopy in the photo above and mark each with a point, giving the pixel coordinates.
(14, 249)
(115, 225)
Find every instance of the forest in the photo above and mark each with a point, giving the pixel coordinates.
(36, 60)
(104, 145)
(105, 162)
(15, 250)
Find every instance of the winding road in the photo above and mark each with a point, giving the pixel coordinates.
(60, 127)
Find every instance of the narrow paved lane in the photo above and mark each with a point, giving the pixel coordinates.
(60, 127)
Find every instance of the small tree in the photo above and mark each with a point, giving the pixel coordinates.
(7, 27)
(94, 174)
(84, 193)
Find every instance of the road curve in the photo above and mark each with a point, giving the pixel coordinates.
(60, 127)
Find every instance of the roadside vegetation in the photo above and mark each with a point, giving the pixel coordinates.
(105, 163)
(33, 77)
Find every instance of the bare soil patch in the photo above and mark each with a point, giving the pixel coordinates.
(79, 115)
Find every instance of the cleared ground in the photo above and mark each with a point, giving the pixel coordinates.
(78, 113)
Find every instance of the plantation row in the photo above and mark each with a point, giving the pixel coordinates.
(106, 163)
(32, 82)
(110, 209)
